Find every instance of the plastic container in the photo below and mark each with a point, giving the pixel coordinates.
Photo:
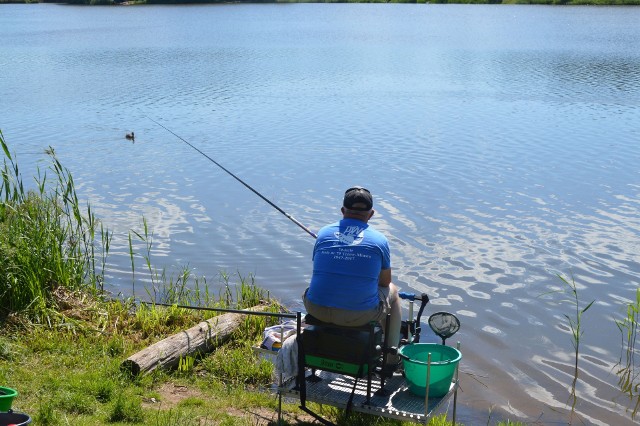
(444, 361)
(14, 419)
(6, 398)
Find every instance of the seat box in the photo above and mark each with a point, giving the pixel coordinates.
(342, 349)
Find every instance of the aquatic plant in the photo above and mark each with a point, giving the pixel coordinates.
(628, 374)
(575, 324)
(183, 287)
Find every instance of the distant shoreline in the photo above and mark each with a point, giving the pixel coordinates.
(191, 2)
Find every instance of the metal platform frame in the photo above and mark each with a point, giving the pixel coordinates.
(396, 403)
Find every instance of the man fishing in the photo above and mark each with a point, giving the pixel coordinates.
(351, 282)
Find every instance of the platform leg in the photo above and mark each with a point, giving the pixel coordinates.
(455, 393)
(301, 383)
(426, 390)
(279, 407)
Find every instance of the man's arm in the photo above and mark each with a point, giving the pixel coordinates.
(385, 278)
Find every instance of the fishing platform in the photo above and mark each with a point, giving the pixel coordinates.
(397, 403)
(345, 367)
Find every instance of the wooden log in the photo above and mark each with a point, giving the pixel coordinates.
(201, 338)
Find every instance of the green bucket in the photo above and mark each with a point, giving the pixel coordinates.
(6, 398)
(444, 360)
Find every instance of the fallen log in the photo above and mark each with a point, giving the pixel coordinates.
(199, 339)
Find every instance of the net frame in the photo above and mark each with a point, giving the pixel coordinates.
(444, 324)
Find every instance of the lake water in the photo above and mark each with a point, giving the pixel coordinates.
(500, 143)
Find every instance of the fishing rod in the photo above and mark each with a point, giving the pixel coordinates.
(225, 310)
(291, 218)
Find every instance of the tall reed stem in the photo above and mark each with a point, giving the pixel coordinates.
(628, 375)
(575, 324)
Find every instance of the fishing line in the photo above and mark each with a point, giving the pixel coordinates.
(291, 218)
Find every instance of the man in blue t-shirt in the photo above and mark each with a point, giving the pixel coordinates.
(351, 282)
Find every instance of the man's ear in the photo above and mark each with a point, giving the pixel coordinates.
(371, 213)
(342, 210)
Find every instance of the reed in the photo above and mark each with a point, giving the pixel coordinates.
(575, 325)
(628, 373)
(185, 288)
(47, 240)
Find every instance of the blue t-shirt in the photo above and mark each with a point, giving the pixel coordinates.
(347, 259)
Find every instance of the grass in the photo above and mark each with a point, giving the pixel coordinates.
(71, 374)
